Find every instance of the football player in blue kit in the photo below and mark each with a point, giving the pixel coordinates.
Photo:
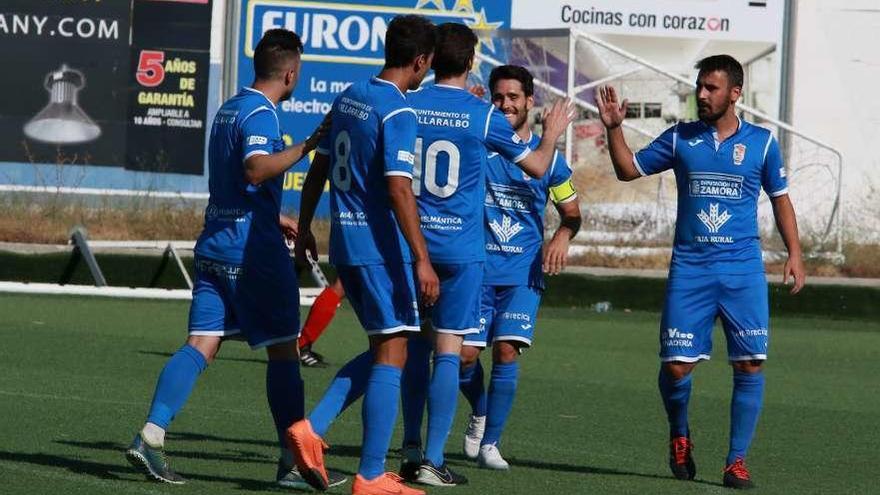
(245, 284)
(512, 234)
(457, 132)
(376, 245)
(721, 163)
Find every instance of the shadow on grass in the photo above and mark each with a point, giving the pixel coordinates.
(228, 455)
(113, 471)
(119, 471)
(458, 459)
(219, 357)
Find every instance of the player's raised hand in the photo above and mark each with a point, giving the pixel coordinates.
(557, 118)
(320, 131)
(611, 110)
(794, 267)
(429, 284)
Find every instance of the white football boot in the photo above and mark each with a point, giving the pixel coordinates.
(490, 458)
(473, 435)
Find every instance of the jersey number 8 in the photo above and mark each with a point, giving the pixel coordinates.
(341, 173)
(430, 168)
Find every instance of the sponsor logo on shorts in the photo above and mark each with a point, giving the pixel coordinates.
(252, 140)
(751, 332)
(525, 327)
(676, 338)
(509, 315)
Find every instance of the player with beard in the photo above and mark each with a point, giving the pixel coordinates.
(721, 163)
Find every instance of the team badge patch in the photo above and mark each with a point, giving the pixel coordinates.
(739, 153)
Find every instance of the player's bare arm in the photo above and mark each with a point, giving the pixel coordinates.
(313, 186)
(260, 168)
(612, 112)
(403, 202)
(555, 121)
(556, 251)
(786, 222)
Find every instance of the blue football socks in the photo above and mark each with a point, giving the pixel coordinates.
(175, 384)
(284, 389)
(471, 385)
(675, 394)
(442, 401)
(745, 408)
(502, 390)
(415, 382)
(347, 386)
(379, 414)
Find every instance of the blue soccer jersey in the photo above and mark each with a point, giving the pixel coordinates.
(241, 220)
(372, 137)
(514, 218)
(718, 188)
(456, 131)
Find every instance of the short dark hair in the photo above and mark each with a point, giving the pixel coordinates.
(456, 44)
(517, 72)
(724, 63)
(407, 37)
(275, 48)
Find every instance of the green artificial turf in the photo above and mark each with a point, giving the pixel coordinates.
(77, 375)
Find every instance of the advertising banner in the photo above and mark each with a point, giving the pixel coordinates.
(739, 20)
(168, 103)
(119, 84)
(345, 42)
(65, 81)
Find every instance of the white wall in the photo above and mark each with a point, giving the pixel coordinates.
(835, 96)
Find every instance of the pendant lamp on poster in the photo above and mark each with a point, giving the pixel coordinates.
(62, 121)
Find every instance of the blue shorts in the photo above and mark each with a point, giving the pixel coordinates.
(259, 302)
(693, 302)
(507, 313)
(383, 297)
(457, 311)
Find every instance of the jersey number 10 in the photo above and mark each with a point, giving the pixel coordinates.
(428, 175)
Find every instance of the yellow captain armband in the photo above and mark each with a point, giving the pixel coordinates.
(563, 192)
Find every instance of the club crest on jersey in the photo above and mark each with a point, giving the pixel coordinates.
(739, 153)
